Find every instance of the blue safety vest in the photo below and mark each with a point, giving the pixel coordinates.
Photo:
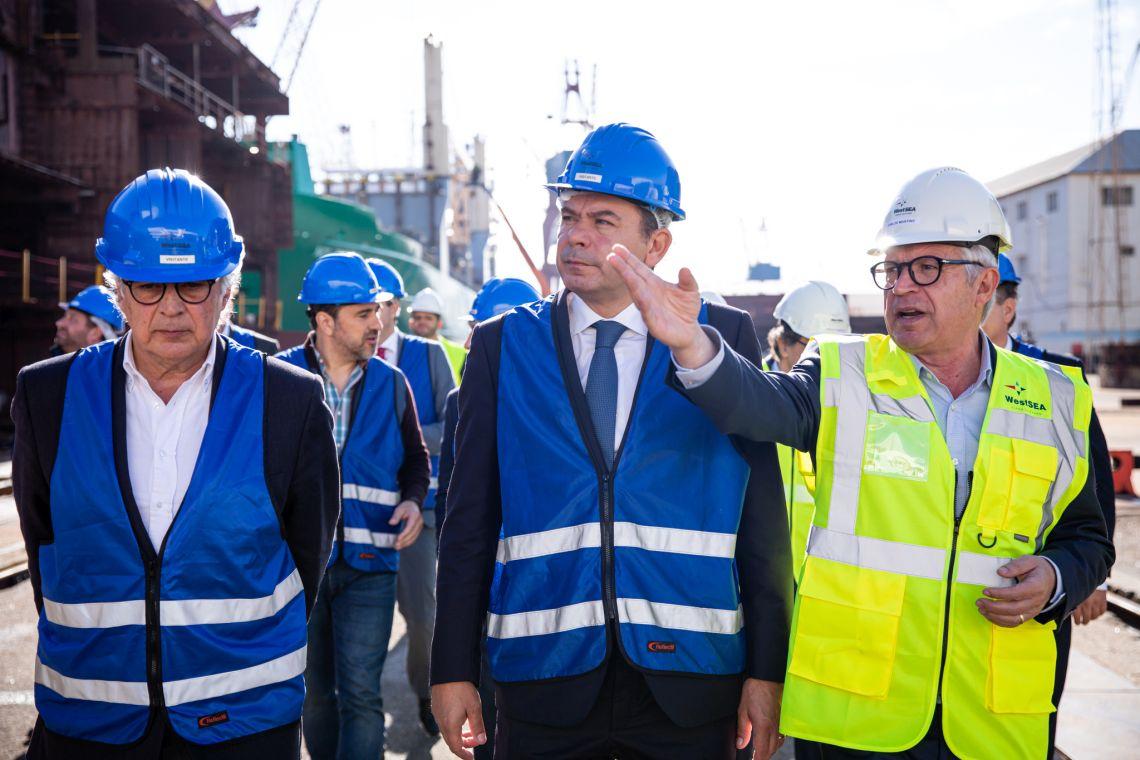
(213, 628)
(370, 462)
(242, 336)
(416, 365)
(660, 561)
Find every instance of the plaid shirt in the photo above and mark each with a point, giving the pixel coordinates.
(339, 402)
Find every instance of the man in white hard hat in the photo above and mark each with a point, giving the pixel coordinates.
(425, 319)
(815, 308)
(955, 524)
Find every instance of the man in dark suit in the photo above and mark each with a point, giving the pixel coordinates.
(638, 600)
(177, 524)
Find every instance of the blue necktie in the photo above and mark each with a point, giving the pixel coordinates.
(602, 386)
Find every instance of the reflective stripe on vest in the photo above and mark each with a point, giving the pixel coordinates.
(370, 464)
(175, 693)
(876, 587)
(171, 612)
(229, 612)
(670, 526)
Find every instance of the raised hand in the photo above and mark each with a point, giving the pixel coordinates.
(670, 310)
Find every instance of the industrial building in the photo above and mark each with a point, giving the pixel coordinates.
(1076, 231)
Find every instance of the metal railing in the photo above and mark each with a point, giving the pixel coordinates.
(153, 71)
(29, 278)
(156, 74)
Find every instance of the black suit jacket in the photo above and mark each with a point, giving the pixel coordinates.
(470, 535)
(1099, 460)
(301, 470)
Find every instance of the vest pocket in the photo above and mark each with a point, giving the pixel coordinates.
(1017, 482)
(847, 627)
(896, 447)
(1022, 665)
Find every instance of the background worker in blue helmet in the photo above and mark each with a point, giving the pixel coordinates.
(90, 317)
(177, 524)
(244, 336)
(384, 470)
(497, 295)
(630, 562)
(429, 373)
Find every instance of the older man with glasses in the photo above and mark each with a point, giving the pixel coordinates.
(177, 523)
(955, 523)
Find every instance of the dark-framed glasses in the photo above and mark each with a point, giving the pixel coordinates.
(924, 270)
(150, 293)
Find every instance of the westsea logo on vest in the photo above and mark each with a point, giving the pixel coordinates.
(1016, 399)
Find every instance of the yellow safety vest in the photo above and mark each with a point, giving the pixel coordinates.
(885, 611)
(799, 495)
(456, 355)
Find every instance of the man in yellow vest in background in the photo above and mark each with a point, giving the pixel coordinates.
(815, 308)
(425, 319)
(955, 523)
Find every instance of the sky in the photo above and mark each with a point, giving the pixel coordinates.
(801, 119)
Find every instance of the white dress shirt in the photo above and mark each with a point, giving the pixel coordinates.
(163, 441)
(629, 352)
(391, 348)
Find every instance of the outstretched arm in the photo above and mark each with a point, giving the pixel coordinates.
(739, 398)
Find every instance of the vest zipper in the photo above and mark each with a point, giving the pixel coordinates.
(154, 638)
(609, 598)
(950, 577)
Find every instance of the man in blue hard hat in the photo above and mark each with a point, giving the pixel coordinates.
(498, 295)
(429, 373)
(90, 317)
(177, 524)
(384, 472)
(632, 564)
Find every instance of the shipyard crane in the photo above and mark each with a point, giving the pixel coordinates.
(293, 39)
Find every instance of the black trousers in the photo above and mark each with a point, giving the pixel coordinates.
(161, 743)
(624, 723)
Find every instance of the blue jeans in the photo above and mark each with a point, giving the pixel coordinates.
(349, 629)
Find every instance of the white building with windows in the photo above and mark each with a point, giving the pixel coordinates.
(1075, 221)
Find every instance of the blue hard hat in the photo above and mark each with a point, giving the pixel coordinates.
(96, 301)
(499, 295)
(339, 277)
(623, 160)
(1006, 271)
(169, 226)
(389, 279)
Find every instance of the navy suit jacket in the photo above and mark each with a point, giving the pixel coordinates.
(469, 538)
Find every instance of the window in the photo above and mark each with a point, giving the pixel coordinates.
(1022, 209)
(1051, 201)
(1116, 196)
(1127, 250)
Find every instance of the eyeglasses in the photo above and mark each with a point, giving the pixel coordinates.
(150, 293)
(923, 271)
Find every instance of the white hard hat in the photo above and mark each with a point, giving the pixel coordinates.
(816, 308)
(944, 205)
(427, 300)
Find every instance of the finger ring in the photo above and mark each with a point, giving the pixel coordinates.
(1021, 618)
